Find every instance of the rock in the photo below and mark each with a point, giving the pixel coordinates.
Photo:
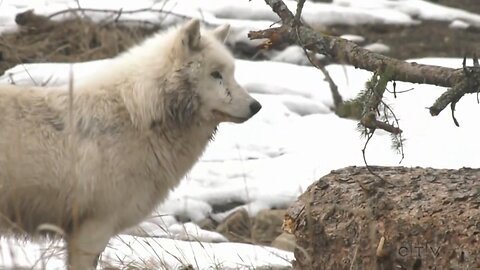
(284, 241)
(208, 224)
(268, 226)
(236, 227)
(225, 206)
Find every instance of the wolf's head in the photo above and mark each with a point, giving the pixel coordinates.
(211, 68)
(185, 76)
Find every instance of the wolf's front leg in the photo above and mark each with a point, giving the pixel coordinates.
(86, 244)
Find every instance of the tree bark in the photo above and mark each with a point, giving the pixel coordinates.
(423, 219)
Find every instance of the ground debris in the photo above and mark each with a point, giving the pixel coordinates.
(42, 40)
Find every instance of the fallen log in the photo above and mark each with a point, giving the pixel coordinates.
(418, 218)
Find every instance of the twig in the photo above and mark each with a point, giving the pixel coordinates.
(337, 98)
(12, 81)
(47, 80)
(452, 107)
(118, 15)
(369, 136)
(28, 73)
(399, 133)
(19, 61)
(380, 81)
(395, 92)
(377, 87)
(80, 7)
(298, 13)
(114, 11)
(166, 14)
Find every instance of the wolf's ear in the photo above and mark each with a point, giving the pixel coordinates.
(221, 32)
(191, 34)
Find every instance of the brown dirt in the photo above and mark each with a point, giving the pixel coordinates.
(470, 5)
(430, 38)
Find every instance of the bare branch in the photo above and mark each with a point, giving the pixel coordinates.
(470, 83)
(298, 14)
(344, 51)
(369, 120)
(282, 11)
(117, 12)
(337, 98)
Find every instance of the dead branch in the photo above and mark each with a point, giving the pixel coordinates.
(459, 81)
(337, 98)
(118, 12)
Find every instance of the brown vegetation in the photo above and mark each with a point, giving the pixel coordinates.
(74, 40)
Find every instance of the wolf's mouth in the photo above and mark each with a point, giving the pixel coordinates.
(225, 117)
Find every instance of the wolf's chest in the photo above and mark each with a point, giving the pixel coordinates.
(149, 178)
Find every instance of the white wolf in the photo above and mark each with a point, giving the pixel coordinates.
(98, 163)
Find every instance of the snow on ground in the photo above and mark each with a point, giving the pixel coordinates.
(269, 160)
(353, 38)
(146, 253)
(377, 48)
(459, 24)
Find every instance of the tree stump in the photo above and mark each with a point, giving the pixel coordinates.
(415, 218)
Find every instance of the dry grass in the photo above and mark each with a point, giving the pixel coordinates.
(73, 40)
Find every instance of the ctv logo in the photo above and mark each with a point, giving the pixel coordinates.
(419, 250)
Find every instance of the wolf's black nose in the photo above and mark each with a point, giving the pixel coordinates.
(255, 107)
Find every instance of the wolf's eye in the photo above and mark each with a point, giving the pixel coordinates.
(216, 75)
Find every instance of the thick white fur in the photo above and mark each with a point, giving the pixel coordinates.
(99, 163)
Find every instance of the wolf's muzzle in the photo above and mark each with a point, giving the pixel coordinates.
(255, 106)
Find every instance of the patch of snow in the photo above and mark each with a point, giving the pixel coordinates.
(313, 13)
(195, 209)
(170, 254)
(43, 254)
(377, 48)
(293, 54)
(192, 232)
(252, 15)
(329, 14)
(459, 24)
(354, 38)
(51, 74)
(303, 106)
(146, 253)
(421, 9)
